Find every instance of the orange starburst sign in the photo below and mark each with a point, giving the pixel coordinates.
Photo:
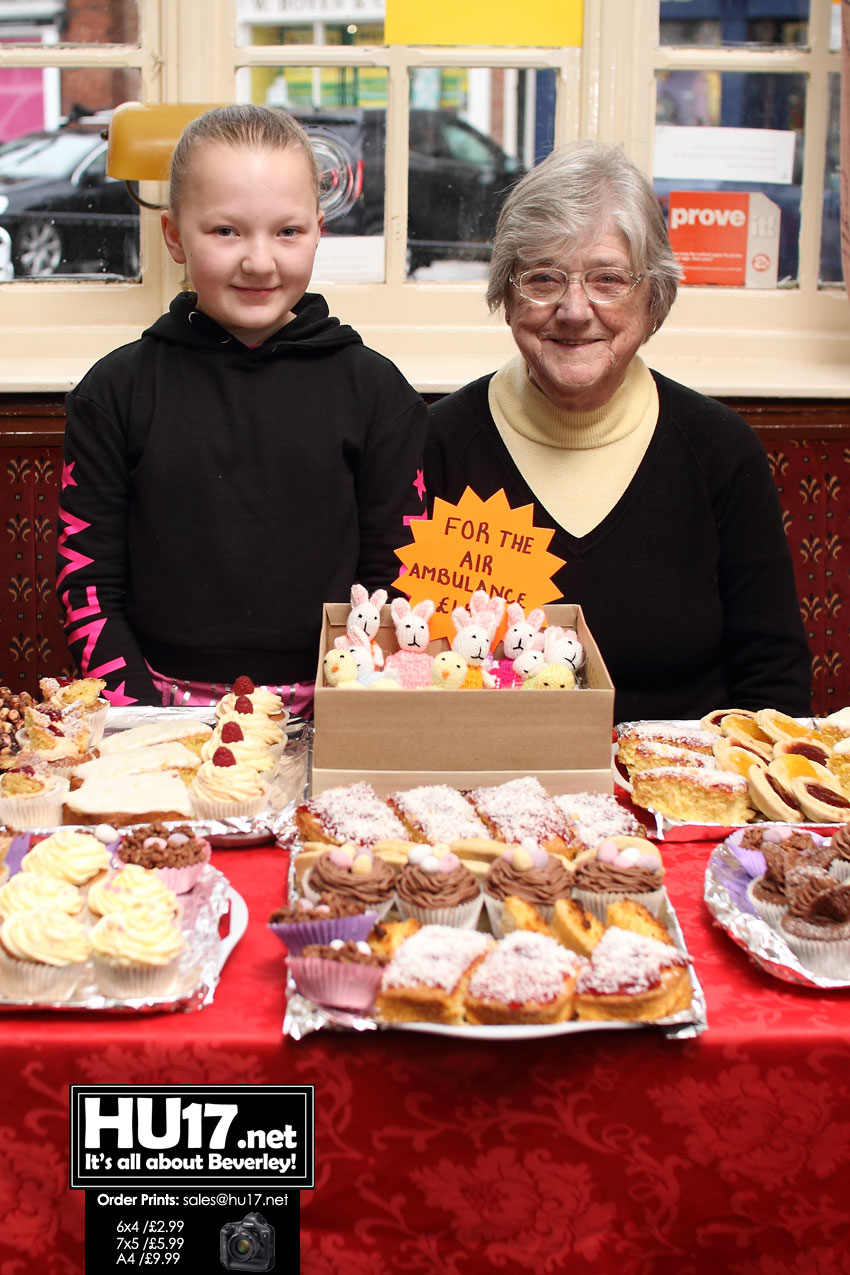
(477, 544)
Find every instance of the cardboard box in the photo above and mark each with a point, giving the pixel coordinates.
(400, 739)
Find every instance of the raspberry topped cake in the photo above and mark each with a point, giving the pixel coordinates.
(262, 701)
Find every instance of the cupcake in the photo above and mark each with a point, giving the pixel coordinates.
(332, 918)
(355, 874)
(31, 796)
(251, 751)
(177, 855)
(127, 887)
(42, 954)
(435, 888)
(59, 737)
(840, 846)
(767, 892)
(816, 925)
(261, 699)
(342, 974)
(619, 868)
(746, 843)
(224, 788)
(136, 952)
(530, 873)
(77, 857)
(29, 891)
(255, 726)
(82, 694)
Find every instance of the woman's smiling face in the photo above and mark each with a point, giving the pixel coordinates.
(577, 352)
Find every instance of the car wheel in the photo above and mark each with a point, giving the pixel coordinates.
(38, 249)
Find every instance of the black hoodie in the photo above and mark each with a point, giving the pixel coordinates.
(214, 496)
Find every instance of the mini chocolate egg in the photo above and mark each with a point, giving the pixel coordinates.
(341, 856)
(449, 862)
(607, 851)
(522, 859)
(418, 852)
(362, 864)
(628, 858)
(430, 864)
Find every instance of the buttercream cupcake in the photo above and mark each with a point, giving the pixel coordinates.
(332, 918)
(136, 952)
(529, 872)
(250, 750)
(29, 891)
(261, 699)
(31, 796)
(343, 974)
(177, 855)
(355, 874)
(77, 857)
(43, 953)
(224, 788)
(435, 888)
(816, 924)
(255, 726)
(619, 868)
(130, 886)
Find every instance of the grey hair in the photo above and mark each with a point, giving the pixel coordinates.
(569, 198)
(241, 126)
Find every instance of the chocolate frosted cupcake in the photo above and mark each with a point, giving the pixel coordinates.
(342, 974)
(816, 925)
(767, 892)
(355, 874)
(332, 918)
(619, 868)
(840, 846)
(529, 872)
(435, 888)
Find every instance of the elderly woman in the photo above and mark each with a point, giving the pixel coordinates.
(661, 500)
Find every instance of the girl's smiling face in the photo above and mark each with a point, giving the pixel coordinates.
(247, 227)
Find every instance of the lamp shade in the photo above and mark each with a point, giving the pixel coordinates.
(143, 135)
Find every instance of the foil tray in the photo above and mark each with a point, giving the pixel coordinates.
(663, 828)
(303, 1017)
(725, 894)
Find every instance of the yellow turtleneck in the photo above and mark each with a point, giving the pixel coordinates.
(578, 464)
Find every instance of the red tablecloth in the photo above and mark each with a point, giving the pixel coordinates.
(612, 1151)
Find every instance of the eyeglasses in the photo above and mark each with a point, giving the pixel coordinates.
(546, 285)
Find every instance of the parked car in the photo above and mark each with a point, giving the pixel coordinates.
(64, 215)
(458, 179)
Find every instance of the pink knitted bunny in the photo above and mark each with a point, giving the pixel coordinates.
(522, 635)
(411, 663)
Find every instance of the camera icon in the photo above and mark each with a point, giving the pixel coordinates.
(247, 1245)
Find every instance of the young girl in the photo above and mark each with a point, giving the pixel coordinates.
(243, 462)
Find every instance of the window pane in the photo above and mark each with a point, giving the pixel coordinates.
(321, 22)
(734, 101)
(830, 248)
(719, 24)
(62, 214)
(473, 133)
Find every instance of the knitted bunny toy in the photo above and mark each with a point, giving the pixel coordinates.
(411, 662)
(472, 641)
(565, 649)
(365, 614)
(360, 647)
(522, 635)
